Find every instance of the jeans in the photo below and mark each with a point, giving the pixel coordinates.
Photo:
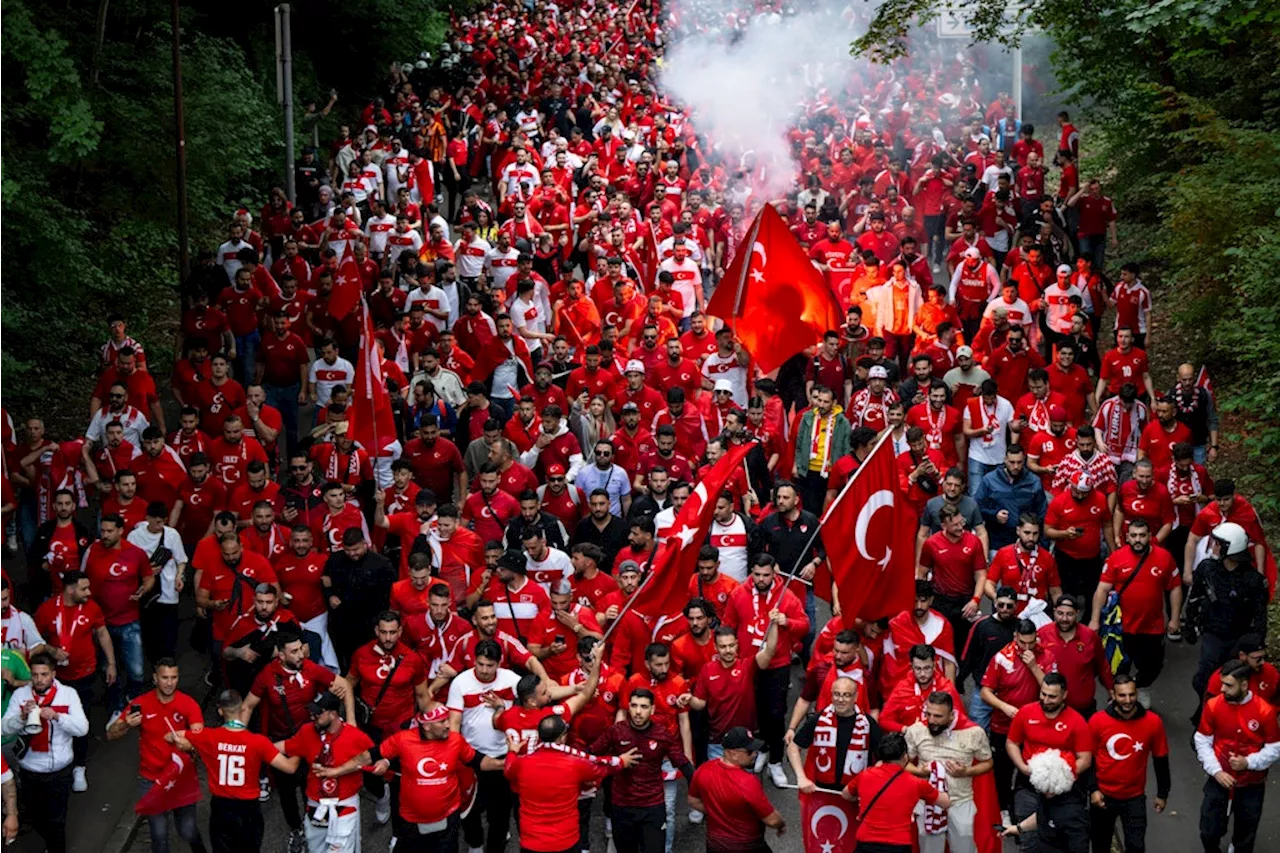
(714, 751)
(1199, 454)
(935, 230)
(285, 399)
(246, 361)
(127, 641)
(28, 516)
(669, 803)
(1133, 823)
(502, 407)
(979, 711)
(184, 820)
(978, 470)
(1094, 246)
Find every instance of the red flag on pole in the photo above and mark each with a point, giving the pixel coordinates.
(874, 570)
(773, 296)
(346, 286)
(987, 814)
(1203, 380)
(665, 591)
(370, 420)
(177, 786)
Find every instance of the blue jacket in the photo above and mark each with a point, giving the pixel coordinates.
(997, 492)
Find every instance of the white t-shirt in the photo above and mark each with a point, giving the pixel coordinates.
(554, 567)
(989, 450)
(133, 421)
(470, 257)
(377, 228)
(990, 174)
(501, 266)
(148, 542)
(20, 632)
(727, 367)
(688, 281)
(398, 244)
(731, 541)
(325, 377)
(433, 298)
(392, 164)
(466, 696)
(527, 316)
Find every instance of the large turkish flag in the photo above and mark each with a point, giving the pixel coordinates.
(873, 560)
(772, 295)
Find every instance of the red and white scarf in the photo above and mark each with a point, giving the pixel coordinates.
(863, 404)
(820, 760)
(1029, 572)
(935, 817)
(1038, 417)
(40, 742)
(1183, 487)
(352, 474)
(934, 433)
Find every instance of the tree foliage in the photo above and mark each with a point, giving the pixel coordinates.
(1183, 122)
(89, 164)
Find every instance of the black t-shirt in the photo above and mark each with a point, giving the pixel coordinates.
(844, 733)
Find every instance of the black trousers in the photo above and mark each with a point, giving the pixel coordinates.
(409, 840)
(1214, 652)
(700, 728)
(1080, 579)
(235, 825)
(290, 786)
(813, 494)
(952, 607)
(771, 708)
(640, 829)
(1145, 653)
(44, 800)
(1132, 814)
(1062, 822)
(1246, 810)
(493, 798)
(160, 630)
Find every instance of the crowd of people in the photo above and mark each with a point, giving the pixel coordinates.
(439, 620)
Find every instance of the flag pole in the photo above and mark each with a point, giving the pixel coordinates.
(749, 245)
(827, 513)
(648, 576)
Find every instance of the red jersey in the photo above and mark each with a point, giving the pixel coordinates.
(371, 667)
(285, 695)
(233, 758)
(1088, 515)
(429, 782)
(1121, 368)
(328, 530)
(159, 718)
(885, 823)
(1082, 661)
(1156, 443)
(230, 461)
(1154, 506)
(940, 430)
(330, 750)
(1012, 681)
(233, 585)
(70, 628)
(954, 564)
(1036, 732)
(114, 575)
(736, 806)
(1142, 603)
(432, 642)
(558, 776)
(729, 692)
(1120, 749)
(490, 514)
(1048, 449)
(1032, 573)
(665, 711)
(300, 581)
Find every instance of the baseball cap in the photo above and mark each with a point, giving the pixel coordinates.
(425, 497)
(972, 252)
(1064, 269)
(628, 566)
(1082, 481)
(555, 469)
(877, 372)
(630, 407)
(739, 738)
(1057, 413)
(723, 385)
(635, 365)
(964, 352)
(324, 702)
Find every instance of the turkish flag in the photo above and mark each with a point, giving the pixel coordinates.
(773, 296)
(830, 823)
(369, 417)
(874, 569)
(987, 814)
(177, 786)
(346, 286)
(1203, 380)
(665, 590)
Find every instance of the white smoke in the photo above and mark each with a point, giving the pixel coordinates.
(746, 88)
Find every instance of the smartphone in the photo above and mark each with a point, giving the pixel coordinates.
(135, 709)
(1079, 531)
(559, 638)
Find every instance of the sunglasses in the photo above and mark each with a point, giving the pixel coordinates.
(297, 467)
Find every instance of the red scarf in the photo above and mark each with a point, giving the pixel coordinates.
(40, 741)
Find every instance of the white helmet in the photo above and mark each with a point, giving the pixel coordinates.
(1235, 542)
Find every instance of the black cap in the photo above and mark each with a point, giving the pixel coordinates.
(514, 561)
(739, 738)
(324, 702)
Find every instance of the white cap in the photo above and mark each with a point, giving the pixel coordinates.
(723, 385)
(964, 352)
(972, 252)
(1064, 269)
(877, 372)
(635, 365)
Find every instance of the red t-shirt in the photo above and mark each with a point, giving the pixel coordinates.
(114, 575)
(1036, 733)
(326, 750)
(892, 821)
(1142, 603)
(233, 759)
(589, 593)
(1089, 515)
(282, 358)
(1120, 750)
(429, 789)
(70, 628)
(221, 582)
(300, 578)
(954, 564)
(1119, 369)
(489, 515)
(548, 820)
(285, 695)
(1012, 681)
(729, 693)
(180, 713)
(665, 712)
(735, 804)
(1032, 575)
(371, 666)
(434, 467)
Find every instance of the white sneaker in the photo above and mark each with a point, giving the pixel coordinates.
(695, 816)
(382, 808)
(762, 758)
(1144, 698)
(264, 789)
(778, 775)
(115, 715)
(79, 783)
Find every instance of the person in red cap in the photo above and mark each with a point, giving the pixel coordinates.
(1078, 520)
(437, 768)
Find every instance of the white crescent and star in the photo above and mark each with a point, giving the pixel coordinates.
(833, 811)
(757, 248)
(879, 500)
(1113, 744)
